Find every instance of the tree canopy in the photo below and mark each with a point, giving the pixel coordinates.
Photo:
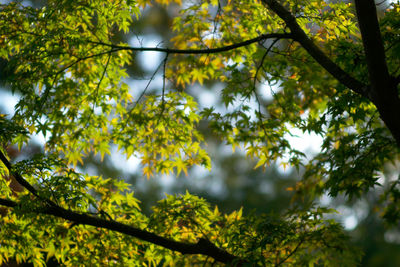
(329, 68)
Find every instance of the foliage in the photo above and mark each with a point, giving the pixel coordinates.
(70, 75)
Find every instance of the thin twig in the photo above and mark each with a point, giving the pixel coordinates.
(200, 51)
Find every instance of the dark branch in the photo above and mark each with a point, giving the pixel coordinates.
(17, 176)
(22, 181)
(372, 42)
(314, 51)
(382, 90)
(203, 246)
(384, 93)
(290, 253)
(201, 51)
(8, 203)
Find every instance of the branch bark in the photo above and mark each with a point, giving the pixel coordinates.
(203, 246)
(382, 90)
(372, 42)
(383, 86)
(17, 177)
(314, 51)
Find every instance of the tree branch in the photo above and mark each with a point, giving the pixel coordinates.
(382, 90)
(384, 93)
(314, 51)
(22, 181)
(17, 176)
(201, 51)
(8, 203)
(203, 246)
(372, 42)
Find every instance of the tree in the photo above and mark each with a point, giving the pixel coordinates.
(332, 68)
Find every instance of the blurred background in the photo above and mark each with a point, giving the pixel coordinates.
(233, 182)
